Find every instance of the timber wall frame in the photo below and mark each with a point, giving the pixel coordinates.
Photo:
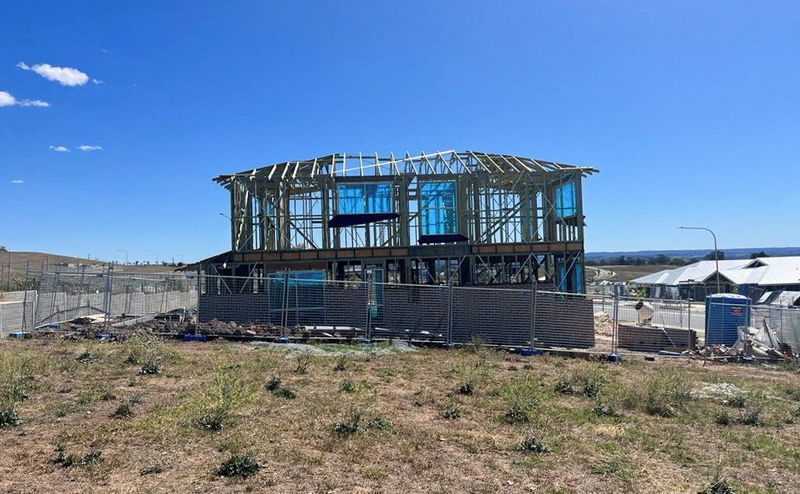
(505, 216)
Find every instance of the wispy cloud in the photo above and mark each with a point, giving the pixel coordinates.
(86, 147)
(66, 76)
(17, 181)
(60, 149)
(8, 99)
(34, 102)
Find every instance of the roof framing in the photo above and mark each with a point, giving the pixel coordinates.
(438, 163)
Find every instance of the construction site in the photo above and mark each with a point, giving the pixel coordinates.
(446, 248)
(379, 323)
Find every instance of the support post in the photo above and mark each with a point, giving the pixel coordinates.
(689, 323)
(25, 298)
(534, 288)
(107, 308)
(615, 327)
(285, 304)
(449, 340)
(367, 322)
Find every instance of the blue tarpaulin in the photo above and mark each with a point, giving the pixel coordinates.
(438, 208)
(365, 198)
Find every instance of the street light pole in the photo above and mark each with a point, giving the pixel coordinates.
(126, 255)
(716, 251)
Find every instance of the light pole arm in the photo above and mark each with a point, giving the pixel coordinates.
(716, 250)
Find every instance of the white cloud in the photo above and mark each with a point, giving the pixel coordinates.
(17, 181)
(66, 76)
(34, 102)
(8, 99)
(60, 149)
(86, 147)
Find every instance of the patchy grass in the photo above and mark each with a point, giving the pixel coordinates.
(466, 420)
(243, 466)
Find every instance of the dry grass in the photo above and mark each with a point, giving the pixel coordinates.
(468, 420)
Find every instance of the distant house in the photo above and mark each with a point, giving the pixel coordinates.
(751, 277)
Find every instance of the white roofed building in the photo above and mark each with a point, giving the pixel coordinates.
(751, 277)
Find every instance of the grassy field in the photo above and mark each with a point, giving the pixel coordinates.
(34, 261)
(626, 273)
(146, 415)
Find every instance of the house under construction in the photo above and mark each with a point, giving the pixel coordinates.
(460, 217)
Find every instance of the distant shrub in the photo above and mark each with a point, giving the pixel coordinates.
(350, 425)
(604, 410)
(718, 486)
(285, 392)
(67, 460)
(107, 396)
(466, 389)
(516, 414)
(532, 444)
(665, 395)
(150, 368)
(736, 401)
(523, 398)
(212, 419)
(152, 470)
(379, 423)
(242, 465)
(348, 386)
(273, 383)
(123, 411)
(303, 362)
(451, 413)
(793, 392)
(341, 364)
(144, 347)
(563, 386)
(751, 417)
(723, 418)
(9, 418)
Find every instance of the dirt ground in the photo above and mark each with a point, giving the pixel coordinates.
(348, 419)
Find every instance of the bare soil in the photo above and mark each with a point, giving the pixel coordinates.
(417, 427)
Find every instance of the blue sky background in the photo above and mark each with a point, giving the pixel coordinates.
(691, 110)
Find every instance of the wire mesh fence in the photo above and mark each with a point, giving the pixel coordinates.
(65, 296)
(304, 304)
(435, 313)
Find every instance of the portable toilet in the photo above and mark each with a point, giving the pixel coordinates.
(725, 312)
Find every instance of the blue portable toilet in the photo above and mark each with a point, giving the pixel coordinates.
(724, 313)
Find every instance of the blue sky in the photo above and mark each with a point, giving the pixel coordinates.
(691, 110)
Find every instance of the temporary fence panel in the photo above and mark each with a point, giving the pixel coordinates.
(64, 296)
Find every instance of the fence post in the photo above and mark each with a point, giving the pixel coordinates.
(449, 339)
(285, 305)
(25, 298)
(534, 286)
(615, 325)
(107, 308)
(368, 277)
(689, 324)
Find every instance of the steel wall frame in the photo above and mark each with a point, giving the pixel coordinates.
(500, 200)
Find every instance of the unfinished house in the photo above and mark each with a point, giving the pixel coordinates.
(452, 217)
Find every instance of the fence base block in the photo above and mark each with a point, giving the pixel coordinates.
(194, 337)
